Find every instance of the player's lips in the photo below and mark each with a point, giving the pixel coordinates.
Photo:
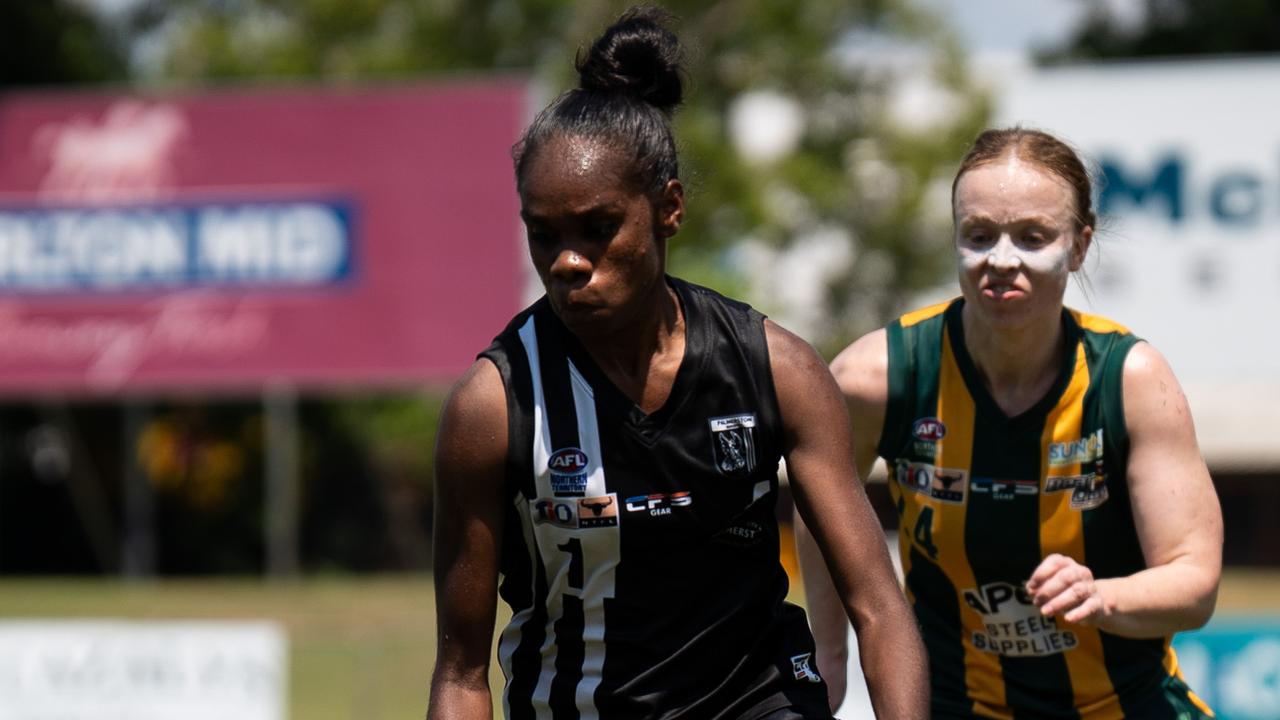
(573, 303)
(1002, 291)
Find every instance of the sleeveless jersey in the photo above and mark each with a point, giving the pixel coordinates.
(640, 555)
(983, 498)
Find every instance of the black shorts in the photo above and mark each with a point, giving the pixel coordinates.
(791, 713)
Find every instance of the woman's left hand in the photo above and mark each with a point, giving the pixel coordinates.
(1060, 586)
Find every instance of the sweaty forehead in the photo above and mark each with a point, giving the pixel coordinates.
(578, 158)
(1011, 188)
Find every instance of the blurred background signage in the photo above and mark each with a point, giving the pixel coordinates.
(1234, 664)
(148, 670)
(223, 240)
(1188, 154)
(276, 241)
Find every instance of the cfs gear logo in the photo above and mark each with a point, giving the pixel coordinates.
(1087, 491)
(659, 503)
(581, 514)
(1005, 489)
(930, 429)
(733, 444)
(944, 484)
(568, 468)
(802, 665)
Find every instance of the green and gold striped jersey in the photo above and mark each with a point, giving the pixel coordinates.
(984, 497)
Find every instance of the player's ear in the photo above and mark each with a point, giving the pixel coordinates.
(669, 209)
(1080, 247)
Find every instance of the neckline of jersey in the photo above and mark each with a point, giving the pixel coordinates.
(978, 390)
(648, 426)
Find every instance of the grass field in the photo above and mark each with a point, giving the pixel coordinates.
(359, 646)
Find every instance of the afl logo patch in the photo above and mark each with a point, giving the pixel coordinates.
(929, 428)
(568, 468)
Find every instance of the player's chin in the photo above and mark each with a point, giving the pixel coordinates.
(1010, 314)
(587, 321)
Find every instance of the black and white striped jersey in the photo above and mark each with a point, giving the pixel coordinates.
(640, 554)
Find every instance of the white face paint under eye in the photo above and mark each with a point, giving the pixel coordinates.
(1004, 255)
(1008, 256)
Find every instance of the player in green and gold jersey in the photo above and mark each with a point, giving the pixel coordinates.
(1058, 523)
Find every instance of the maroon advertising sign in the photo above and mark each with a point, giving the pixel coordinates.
(230, 239)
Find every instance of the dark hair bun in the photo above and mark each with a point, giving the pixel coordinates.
(637, 55)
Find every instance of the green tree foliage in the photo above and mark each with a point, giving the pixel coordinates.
(863, 172)
(51, 42)
(1172, 28)
(799, 50)
(855, 172)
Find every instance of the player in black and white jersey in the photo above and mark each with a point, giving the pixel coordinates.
(613, 456)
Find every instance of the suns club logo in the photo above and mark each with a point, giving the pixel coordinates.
(568, 468)
(1085, 450)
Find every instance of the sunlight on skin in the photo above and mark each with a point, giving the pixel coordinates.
(1019, 184)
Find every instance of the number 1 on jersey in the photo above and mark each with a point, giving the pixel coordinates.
(574, 548)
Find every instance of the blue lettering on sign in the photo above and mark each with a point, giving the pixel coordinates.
(1236, 197)
(281, 244)
(1164, 182)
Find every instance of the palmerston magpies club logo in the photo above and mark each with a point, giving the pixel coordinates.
(733, 444)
